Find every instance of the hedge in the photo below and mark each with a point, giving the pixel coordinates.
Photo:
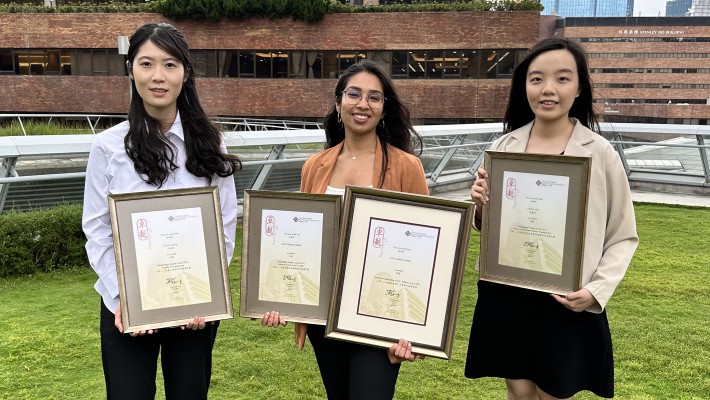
(307, 10)
(41, 240)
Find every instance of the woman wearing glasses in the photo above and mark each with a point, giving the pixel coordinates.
(370, 142)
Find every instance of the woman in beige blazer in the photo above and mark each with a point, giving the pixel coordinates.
(370, 142)
(549, 346)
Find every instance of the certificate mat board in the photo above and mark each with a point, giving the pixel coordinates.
(400, 266)
(288, 254)
(170, 257)
(533, 226)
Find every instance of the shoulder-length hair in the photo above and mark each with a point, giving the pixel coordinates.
(396, 127)
(149, 149)
(518, 112)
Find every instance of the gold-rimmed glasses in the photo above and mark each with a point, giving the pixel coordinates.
(375, 100)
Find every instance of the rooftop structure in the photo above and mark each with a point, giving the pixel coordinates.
(588, 8)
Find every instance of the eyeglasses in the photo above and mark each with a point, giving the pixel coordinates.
(353, 96)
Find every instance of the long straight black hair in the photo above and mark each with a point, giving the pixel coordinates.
(397, 129)
(149, 149)
(518, 113)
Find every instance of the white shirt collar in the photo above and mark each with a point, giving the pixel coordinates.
(176, 129)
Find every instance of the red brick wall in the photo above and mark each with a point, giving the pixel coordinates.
(649, 110)
(265, 97)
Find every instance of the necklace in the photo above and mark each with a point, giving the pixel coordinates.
(355, 156)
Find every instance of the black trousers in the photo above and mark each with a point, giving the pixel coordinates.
(130, 363)
(352, 371)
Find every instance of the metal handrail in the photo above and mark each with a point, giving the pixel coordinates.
(452, 153)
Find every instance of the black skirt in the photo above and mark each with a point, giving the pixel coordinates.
(524, 334)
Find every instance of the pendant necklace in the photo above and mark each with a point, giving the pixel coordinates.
(355, 156)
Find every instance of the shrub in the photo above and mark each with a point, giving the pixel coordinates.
(307, 10)
(41, 240)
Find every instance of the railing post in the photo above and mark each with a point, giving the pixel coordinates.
(7, 169)
(458, 140)
(620, 150)
(275, 154)
(22, 126)
(473, 169)
(703, 156)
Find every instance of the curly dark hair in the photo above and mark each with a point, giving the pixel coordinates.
(397, 130)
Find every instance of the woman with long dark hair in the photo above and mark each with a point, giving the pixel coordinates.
(370, 142)
(168, 142)
(549, 346)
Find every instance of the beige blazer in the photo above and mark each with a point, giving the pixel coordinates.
(405, 172)
(611, 239)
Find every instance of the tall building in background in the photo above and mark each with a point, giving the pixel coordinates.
(678, 8)
(700, 8)
(589, 8)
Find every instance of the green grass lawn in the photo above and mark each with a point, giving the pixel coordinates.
(660, 320)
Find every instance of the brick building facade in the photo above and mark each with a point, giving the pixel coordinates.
(470, 99)
(652, 70)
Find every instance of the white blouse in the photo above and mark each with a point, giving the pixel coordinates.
(110, 170)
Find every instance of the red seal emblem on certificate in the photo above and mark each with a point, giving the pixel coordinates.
(510, 188)
(142, 229)
(379, 237)
(269, 225)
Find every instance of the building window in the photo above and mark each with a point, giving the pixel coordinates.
(330, 64)
(272, 64)
(205, 63)
(7, 66)
(417, 60)
(99, 62)
(399, 64)
(454, 64)
(279, 64)
(346, 59)
(246, 64)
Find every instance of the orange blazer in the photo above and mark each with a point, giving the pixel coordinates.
(405, 172)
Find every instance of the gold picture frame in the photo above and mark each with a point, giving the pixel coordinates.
(170, 257)
(288, 254)
(533, 226)
(400, 268)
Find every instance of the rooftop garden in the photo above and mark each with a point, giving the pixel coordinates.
(307, 10)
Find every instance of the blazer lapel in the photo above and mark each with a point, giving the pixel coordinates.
(581, 136)
(521, 137)
(325, 171)
(377, 170)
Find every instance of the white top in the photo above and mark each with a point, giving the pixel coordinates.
(110, 171)
(335, 190)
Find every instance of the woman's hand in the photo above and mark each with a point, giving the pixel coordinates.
(118, 323)
(479, 193)
(577, 301)
(195, 324)
(402, 351)
(272, 319)
(299, 334)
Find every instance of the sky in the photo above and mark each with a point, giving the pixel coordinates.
(649, 8)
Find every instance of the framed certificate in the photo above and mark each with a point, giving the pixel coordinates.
(533, 226)
(288, 254)
(400, 265)
(170, 257)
